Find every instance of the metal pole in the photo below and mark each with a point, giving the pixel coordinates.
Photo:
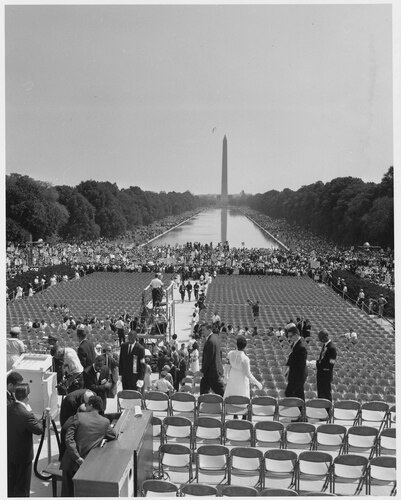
(48, 430)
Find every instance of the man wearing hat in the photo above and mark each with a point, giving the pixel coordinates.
(15, 347)
(325, 365)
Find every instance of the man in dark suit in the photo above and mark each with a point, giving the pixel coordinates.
(132, 363)
(86, 350)
(84, 431)
(97, 378)
(325, 365)
(296, 365)
(13, 380)
(212, 366)
(72, 402)
(21, 425)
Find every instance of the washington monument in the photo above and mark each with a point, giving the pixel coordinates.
(224, 194)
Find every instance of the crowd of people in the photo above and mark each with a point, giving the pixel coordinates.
(303, 253)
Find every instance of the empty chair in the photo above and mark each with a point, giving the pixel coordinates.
(280, 467)
(263, 408)
(183, 404)
(299, 435)
(157, 439)
(128, 399)
(330, 438)
(392, 416)
(349, 470)
(158, 402)
(362, 439)
(211, 463)
(210, 405)
(236, 406)
(268, 435)
(318, 494)
(175, 458)
(246, 467)
(346, 412)
(374, 414)
(207, 430)
(238, 491)
(238, 433)
(289, 409)
(318, 410)
(313, 466)
(387, 442)
(177, 430)
(198, 490)
(278, 492)
(159, 488)
(382, 475)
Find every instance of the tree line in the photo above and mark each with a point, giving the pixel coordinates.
(88, 211)
(346, 210)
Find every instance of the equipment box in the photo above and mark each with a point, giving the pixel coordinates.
(36, 370)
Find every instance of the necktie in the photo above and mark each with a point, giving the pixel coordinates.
(97, 376)
(322, 352)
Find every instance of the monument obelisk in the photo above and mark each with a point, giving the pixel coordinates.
(224, 194)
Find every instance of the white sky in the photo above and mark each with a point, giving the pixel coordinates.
(143, 94)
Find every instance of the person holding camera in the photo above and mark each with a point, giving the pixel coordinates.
(72, 378)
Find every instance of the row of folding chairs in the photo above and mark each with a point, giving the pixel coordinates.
(349, 413)
(333, 438)
(157, 488)
(244, 466)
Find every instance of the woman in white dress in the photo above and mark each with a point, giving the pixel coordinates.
(194, 358)
(239, 372)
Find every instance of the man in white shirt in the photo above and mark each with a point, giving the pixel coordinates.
(157, 289)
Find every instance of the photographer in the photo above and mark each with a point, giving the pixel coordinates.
(72, 378)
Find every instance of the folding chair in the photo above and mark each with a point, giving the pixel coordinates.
(280, 466)
(318, 494)
(198, 490)
(330, 438)
(236, 406)
(278, 492)
(237, 433)
(128, 399)
(207, 430)
(159, 488)
(374, 414)
(362, 440)
(289, 409)
(387, 441)
(238, 491)
(318, 410)
(246, 465)
(177, 430)
(175, 458)
(210, 405)
(346, 412)
(157, 439)
(263, 408)
(382, 473)
(212, 461)
(158, 402)
(349, 469)
(183, 404)
(268, 435)
(299, 435)
(313, 466)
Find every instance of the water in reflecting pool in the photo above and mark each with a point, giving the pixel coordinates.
(216, 225)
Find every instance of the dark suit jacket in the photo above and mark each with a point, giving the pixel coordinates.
(84, 431)
(70, 404)
(10, 398)
(91, 382)
(21, 425)
(297, 364)
(129, 378)
(324, 367)
(86, 353)
(212, 366)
